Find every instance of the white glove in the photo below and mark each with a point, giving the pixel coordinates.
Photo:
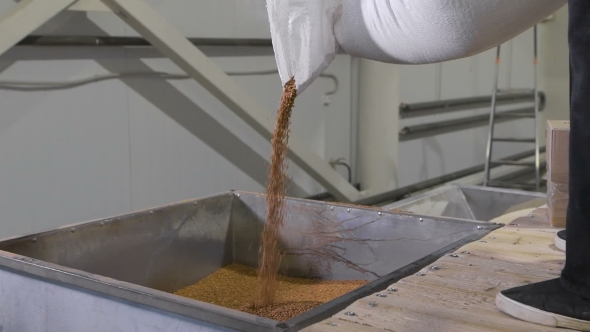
(306, 33)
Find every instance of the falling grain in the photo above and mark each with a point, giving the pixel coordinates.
(275, 194)
(264, 292)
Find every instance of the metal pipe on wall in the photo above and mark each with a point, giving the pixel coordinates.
(402, 192)
(430, 129)
(210, 46)
(35, 40)
(461, 104)
(262, 46)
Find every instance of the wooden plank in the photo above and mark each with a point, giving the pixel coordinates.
(414, 313)
(340, 325)
(528, 218)
(460, 294)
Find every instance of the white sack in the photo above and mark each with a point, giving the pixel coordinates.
(303, 37)
(306, 33)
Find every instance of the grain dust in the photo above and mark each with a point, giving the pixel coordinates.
(235, 287)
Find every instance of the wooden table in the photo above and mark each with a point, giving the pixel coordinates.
(460, 294)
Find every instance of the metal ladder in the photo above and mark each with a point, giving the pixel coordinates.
(492, 139)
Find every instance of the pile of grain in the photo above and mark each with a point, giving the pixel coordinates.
(235, 287)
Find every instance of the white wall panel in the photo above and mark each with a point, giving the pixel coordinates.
(64, 157)
(555, 65)
(112, 147)
(109, 148)
(429, 157)
(194, 18)
(186, 143)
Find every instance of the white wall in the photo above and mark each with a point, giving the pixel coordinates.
(555, 65)
(378, 126)
(115, 146)
(426, 158)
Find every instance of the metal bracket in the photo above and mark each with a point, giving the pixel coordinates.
(25, 17)
(89, 6)
(31, 14)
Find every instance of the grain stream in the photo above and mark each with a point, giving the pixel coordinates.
(276, 187)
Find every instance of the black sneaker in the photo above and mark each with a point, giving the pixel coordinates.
(560, 240)
(546, 303)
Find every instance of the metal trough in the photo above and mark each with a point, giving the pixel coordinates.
(467, 202)
(117, 274)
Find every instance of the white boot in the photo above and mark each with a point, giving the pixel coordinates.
(560, 240)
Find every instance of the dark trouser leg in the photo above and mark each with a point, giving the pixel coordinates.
(576, 274)
(565, 301)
